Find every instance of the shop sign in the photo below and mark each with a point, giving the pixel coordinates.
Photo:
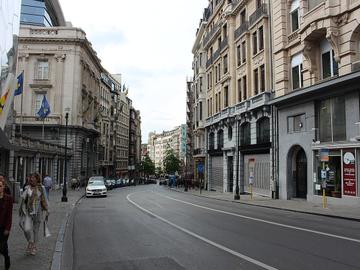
(349, 172)
(324, 155)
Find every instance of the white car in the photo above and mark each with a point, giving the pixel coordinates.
(96, 187)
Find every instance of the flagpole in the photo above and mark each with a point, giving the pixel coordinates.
(21, 114)
(43, 129)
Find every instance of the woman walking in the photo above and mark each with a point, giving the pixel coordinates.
(6, 205)
(32, 206)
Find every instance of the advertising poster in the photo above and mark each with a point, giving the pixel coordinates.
(349, 172)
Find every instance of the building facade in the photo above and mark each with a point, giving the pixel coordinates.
(60, 64)
(317, 54)
(234, 36)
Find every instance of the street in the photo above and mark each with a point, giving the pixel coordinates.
(152, 227)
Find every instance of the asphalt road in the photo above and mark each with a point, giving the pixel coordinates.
(151, 227)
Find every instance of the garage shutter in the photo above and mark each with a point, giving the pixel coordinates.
(217, 172)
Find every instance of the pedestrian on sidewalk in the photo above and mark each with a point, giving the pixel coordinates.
(47, 184)
(6, 205)
(33, 204)
(6, 189)
(27, 181)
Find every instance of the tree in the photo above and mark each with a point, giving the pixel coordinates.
(171, 162)
(148, 166)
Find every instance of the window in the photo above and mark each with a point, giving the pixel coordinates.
(38, 100)
(245, 138)
(216, 74)
(211, 141)
(254, 42)
(296, 71)
(296, 123)
(263, 130)
(256, 81)
(220, 139)
(329, 66)
(331, 119)
(262, 78)
(258, 3)
(243, 16)
(243, 51)
(200, 110)
(225, 64)
(238, 56)
(226, 96)
(42, 70)
(261, 38)
(239, 90)
(230, 133)
(201, 84)
(244, 87)
(294, 15)
(210, 79)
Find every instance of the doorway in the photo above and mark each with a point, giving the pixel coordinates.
(230, 173)
(301, 174)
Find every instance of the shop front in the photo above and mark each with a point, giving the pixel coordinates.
(336, 171)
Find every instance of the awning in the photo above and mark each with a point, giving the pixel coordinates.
(4, 141)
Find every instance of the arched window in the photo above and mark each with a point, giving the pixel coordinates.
(245, 138)
(263, 130)
(220, 139)
(211, 141)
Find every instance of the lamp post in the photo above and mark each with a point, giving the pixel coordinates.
(64, 198)
(237, 191)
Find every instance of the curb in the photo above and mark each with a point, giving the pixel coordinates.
(273, 207)
(56, 259)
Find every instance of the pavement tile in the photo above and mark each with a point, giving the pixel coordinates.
(46, 246)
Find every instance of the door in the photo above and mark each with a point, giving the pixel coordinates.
(230, 170)
(301, 174)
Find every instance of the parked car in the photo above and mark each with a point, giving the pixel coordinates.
(96, 187)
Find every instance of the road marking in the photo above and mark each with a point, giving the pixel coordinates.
(265, 221)
(233, 252)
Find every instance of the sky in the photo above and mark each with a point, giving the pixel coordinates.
(149, 43)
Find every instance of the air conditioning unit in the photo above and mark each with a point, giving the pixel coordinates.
(355, 66)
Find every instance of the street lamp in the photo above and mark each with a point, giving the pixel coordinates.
(64, 198)
(237, 191)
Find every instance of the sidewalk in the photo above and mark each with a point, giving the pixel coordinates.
(46, 246)
(297, 205)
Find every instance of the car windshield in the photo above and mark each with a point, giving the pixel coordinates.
(96, 183)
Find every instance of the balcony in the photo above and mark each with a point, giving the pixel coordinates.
(209, 62)
(211, 34)
(224, 44)
(199, 151)
(244, 27)
(35, 120)
(260, 12)
(259, 100)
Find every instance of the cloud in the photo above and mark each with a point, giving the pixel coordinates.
(149, 43)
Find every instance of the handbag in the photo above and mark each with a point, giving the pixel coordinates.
(46, 229)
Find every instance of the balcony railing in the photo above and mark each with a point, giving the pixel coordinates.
(244, 27)
(261, 11)
(211, 34)
(223, 43)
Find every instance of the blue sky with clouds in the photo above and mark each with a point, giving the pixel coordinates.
(149, 43)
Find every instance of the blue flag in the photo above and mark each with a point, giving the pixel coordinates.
(20, 84)
(44, 109)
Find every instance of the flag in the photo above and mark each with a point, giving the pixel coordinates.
(20, 84)
(44, 109)
(3, 101)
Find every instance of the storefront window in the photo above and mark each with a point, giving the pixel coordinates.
(328, 173)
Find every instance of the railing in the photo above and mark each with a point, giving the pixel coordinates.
(261, 11)
(244, 27)
(211, 34)
(216, 55)
(49, 120)
(30, 143)
(209, 62)
(223, 43)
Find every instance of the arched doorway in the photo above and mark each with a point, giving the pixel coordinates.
(301, 174)
(297, 173)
